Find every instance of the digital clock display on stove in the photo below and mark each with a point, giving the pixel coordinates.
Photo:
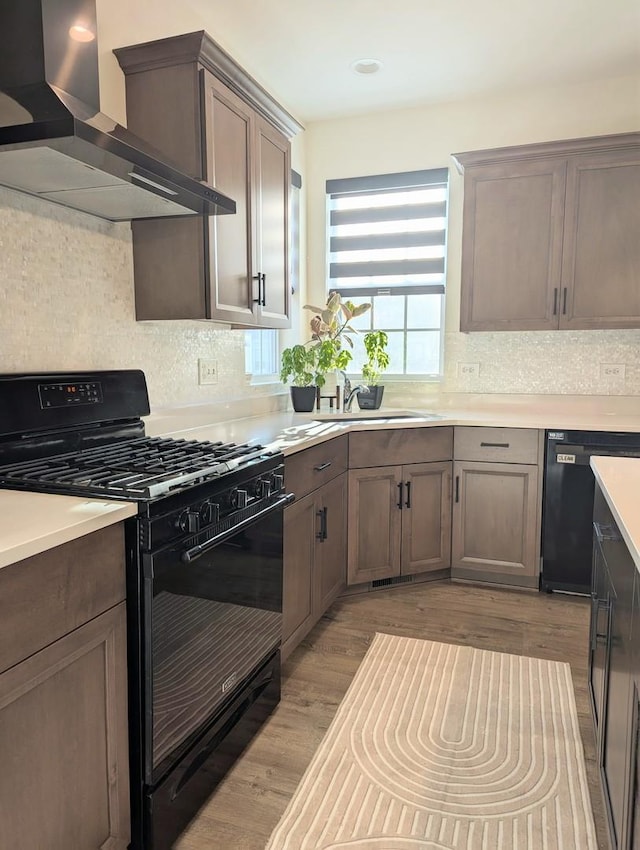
(69, 395)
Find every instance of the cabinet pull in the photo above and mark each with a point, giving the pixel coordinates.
(264, 289)
(322, 466)
(495, 445)
(322, 515)
(258, 277)
(400, 486)
(408, 502)
(564, 301)
(555, 301)
(325, 528)
(457, 488)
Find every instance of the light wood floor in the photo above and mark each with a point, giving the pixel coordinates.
(247, 805)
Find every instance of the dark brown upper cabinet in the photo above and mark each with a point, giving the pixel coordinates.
(190, 100)
(550, 236)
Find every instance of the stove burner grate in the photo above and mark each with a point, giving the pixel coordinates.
(142, 468)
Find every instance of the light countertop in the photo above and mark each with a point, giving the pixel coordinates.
(31, 523)
(291, 432)
(619, 478)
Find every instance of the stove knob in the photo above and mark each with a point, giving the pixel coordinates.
(209, 512)
(189, 521)
(238, 498)
(277, 483)
(264, 488)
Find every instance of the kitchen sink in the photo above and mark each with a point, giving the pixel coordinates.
(366, 415)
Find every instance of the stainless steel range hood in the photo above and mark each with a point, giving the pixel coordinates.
(54, 141)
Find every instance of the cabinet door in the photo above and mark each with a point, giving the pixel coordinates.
(271, 251)
(426, 518)
(634, 790)
(331, 548)
(512, 246)
(228, 158)
(600, 608)
(374, 521)
(601, 253)
(617, 725)
(495, 520)
(63, 737)
(301, 525)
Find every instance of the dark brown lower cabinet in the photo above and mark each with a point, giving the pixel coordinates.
(615, 631)
(315, 536)
(63, 739)
(399, 520)
(496, 528)
(634, 826)
(64, 782)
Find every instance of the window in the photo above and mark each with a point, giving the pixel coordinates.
(387, 245)
(261, 355)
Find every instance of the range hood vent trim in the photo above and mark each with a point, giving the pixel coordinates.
(69, 152)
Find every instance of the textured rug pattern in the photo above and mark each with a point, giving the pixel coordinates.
(441, 747)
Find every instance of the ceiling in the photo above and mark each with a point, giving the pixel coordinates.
(432, 51)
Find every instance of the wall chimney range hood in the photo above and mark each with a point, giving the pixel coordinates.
(54, 141)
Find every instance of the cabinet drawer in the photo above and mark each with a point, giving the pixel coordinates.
(50, 594)
(311, 468)
(509, 445)
(398, 446)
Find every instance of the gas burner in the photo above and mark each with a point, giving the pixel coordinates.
(144, 468)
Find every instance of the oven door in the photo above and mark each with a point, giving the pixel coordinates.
(212, 616)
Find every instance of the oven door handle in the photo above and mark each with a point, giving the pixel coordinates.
(190, 555)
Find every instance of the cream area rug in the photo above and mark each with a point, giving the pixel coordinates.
(440, 747)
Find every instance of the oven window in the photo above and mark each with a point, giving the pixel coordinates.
(214, 621)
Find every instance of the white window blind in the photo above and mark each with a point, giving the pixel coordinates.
(387, 231)
(387, 245)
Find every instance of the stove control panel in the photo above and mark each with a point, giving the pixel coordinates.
(69, 394)
(214, 506)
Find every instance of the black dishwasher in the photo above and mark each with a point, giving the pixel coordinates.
(567, 533)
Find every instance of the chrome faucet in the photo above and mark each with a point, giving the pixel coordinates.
(350, 394)
(347, 385)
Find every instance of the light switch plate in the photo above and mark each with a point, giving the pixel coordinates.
(207, 371)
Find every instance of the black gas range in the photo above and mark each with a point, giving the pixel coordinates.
(204, 574)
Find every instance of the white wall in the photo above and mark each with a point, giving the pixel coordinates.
(553, 362)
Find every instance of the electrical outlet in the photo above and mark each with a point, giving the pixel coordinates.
(207, 371)
(468, 370)
(612, 371)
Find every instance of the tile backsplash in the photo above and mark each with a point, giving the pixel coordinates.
(67, 303)
(555, 362)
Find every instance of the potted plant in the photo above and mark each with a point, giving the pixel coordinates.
(300, 367)
(375, 343)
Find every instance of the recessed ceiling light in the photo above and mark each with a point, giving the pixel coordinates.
(81, 32)
(366, 66)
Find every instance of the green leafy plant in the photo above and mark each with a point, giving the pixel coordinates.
(300, 366)
(375, 343)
